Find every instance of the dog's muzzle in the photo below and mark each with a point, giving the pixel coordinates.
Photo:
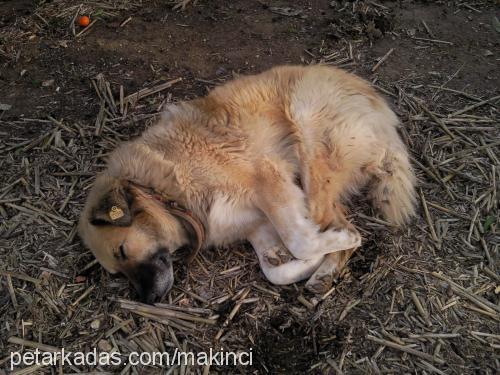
(153, 278)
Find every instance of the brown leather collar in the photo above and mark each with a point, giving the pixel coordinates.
(181, 212)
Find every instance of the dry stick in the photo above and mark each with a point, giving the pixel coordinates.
(445, 83)
(84, 294)
(428, 30)
(432, 368)
(473, 106)
(86, 29)
(161, 311)
(448, 211)
(72, 23)
(406, 349)
(126, 21)
(428, 217)
(348, 308)
(196, 310)
(232, 314)
(376, 220)
(486, 251)
(434, 40)
(385, 57)
(463, 153)
(462, 175)
(483, 312)
(438, 121)
(327, 294)
(305, 302)
(20, 276)
(33, 344)
(432, 175)
(334, 365)
(469, 96)
(471, 7)
(61, 125)
(262, 289)
(37, 180)
(462, 292)
(471, 227)
(12, 292)
(491, 274)
(150, 91)
(28, 370)
(32, 210)
(421, 310)
(491, 155)
(122, 94)
(180, 324)
(435, 335)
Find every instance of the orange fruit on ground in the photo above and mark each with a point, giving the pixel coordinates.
(84, 21)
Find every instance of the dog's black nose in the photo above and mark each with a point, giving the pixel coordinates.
(153, 278)
(149, 297)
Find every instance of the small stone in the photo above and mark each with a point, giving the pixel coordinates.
(48, 83)
(80, 279)
(95, 325)
(104, 346)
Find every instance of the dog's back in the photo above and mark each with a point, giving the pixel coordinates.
(327, 126)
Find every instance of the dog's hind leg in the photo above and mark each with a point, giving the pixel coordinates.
(284, 204)
(275, 260)
(323, 189)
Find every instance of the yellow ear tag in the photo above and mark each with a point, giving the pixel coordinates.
(116, 213)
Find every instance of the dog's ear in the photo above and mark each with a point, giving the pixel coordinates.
(194, 228)
(113, 207)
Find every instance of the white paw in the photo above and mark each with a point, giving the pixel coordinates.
(337, 240)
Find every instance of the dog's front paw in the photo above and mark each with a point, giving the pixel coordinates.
(343, 239)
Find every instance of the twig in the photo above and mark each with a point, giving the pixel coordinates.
(162, 311)
(33, 344)
(86, 29)
(232, 314)
(385, 57)
(434, 40)
(428, 218)
(406, 349)
(462, 292)
(428, 30)
(473, 106)
(421, 310)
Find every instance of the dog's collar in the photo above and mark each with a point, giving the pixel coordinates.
(181, 212)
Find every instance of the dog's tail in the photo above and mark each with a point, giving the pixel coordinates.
(393, 191)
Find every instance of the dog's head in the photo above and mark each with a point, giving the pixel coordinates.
(132, 233)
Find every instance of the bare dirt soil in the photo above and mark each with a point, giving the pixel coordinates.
(422, 299)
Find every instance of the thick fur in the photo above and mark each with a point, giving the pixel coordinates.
(268, 158)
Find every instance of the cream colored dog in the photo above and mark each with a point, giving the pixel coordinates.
(266, 158)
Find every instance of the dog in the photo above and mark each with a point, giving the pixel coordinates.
(270, 158)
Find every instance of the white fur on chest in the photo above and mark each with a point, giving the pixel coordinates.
(230, 220)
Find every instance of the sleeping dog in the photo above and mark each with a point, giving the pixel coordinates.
(269, 158)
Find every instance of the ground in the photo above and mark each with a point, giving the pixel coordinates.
(422, 299)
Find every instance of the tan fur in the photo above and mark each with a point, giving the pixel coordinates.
(234, 157)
